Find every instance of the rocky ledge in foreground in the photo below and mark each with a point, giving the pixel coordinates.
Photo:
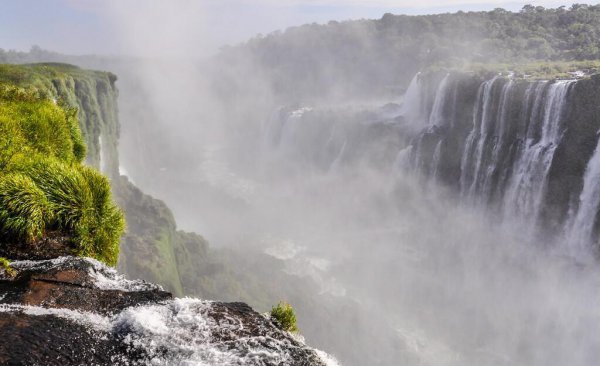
(76, 311)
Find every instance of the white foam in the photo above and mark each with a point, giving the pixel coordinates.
(92, 320)
(328, 360)
(104, 277)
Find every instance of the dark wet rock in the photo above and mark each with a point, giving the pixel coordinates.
(74, 283)
(50, 340)
(76, 311)
(52, 245)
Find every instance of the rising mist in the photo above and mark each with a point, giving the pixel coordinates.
(314, 167)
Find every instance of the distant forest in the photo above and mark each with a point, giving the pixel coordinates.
(378, 55)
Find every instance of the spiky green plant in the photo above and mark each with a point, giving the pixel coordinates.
(107, 222)
(285, 316)
(24, 208)
(43, 185)
(34, 123)
(81, 204)
(80, 201)
(5, 265)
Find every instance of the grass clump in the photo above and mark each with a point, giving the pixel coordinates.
(43, 185)
(284, 315)
(24, 208)
(5, 265)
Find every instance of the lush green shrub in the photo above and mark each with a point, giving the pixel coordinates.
(31, 122)
(44, 186)
(105, 224)
(80, 201)
(24, 208)
(285, 316)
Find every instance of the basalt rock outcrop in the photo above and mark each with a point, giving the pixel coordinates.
(76, 311)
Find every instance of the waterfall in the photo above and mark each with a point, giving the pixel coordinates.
(402, 160)
(526, 187)
(437, 118)
(437, 155)
(515, 129)
(581, 231)
(412, 104)
(417, 153)
(280, 130)
(486, 168)
(499, 142)
(290, 126)
(486, 146)
(102, 164)
(476, 138)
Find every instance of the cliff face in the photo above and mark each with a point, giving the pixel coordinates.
(521, 147)
(524, 149)
(153, 248)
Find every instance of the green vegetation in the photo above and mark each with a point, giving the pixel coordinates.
(44, 187)
(285, 316)
(5, 265)
(87, 97)
(535, 70)
(371, 57)
(153, 248)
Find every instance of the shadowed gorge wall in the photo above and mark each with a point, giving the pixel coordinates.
(520, 146)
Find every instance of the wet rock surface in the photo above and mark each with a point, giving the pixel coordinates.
(50, 340)
(52, 245)
(75, 311)
(75, 284)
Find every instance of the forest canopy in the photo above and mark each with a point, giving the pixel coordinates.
(375, 56)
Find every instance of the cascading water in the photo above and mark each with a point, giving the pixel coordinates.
(412, 104)
(437, 116)
(581, 231)
(437, 154)
(499, 139)
(495, 165)
(102, 156)
(526, 187)
(472, 157)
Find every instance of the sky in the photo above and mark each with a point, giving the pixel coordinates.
(88, 26)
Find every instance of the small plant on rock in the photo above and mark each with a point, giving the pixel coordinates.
(5, 265)
(285, 317)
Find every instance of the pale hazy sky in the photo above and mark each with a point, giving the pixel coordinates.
(87, 26)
